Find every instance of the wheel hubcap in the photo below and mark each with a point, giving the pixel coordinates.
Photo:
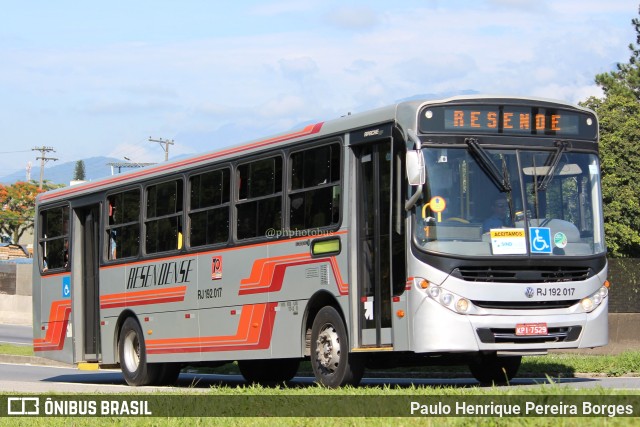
(131, 353)
(328, 349)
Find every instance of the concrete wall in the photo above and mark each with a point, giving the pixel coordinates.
(23, 279)
(15, 279)
(15, 294)
(16, 310)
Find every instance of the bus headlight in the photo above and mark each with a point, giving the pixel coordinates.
(594, 300)
(462, 305)
(434, 291)
(446, 299)
(587, 304)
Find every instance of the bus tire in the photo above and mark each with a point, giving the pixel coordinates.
(168, 374)
(133, 356)
(333, 365)
(269, 371)
(490, 369)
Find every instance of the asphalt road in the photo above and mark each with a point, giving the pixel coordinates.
(16, 334)
(23, 378)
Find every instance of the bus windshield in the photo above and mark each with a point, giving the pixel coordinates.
(514, 202)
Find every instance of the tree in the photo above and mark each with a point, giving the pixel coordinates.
(619, 114)
(17, 207)
(78, 174)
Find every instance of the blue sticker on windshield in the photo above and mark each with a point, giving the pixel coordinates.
(540, 240)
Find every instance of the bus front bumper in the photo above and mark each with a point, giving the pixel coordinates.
(454, 332)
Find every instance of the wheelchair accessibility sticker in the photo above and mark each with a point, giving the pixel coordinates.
(66, 287)
(540, 240)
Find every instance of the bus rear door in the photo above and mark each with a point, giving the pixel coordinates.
(85, 278)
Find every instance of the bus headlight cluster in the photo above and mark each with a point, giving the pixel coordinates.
(592, 301)
(445, 298)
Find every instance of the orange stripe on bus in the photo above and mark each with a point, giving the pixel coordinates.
(58, 319)
(343, 288)
(267, 274)
(144, 297)
(262, 270)
(254, 330)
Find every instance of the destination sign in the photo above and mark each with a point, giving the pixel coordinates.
(508, 119)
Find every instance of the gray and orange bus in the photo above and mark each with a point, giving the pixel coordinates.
(464, 230)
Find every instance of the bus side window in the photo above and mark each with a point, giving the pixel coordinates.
(259, 206)
(209, 197)
(112, 233)
(122, 230)
(314, 197)
(164, 216)
(54, 238)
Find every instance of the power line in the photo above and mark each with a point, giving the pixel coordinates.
(12, 152)
(43, 159)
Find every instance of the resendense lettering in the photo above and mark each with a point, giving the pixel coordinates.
(167, 273)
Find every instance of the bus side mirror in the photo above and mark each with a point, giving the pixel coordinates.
(415, 167)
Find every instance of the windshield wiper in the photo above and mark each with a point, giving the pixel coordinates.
(490, 168)
(561, 147)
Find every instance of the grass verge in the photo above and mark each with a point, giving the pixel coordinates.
(16, 350)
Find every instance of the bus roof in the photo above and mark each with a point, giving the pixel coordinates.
(403, 112)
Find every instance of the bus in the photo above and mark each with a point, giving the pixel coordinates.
(464, 230)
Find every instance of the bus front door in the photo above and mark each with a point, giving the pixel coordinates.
(374, 254)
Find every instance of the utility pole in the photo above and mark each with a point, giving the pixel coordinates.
(43, 159)
(166, 142)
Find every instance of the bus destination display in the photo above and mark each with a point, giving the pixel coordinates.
(514, 120)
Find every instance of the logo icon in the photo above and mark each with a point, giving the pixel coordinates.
(529, 292)
(66, 287)
(23, 406)
(216, 268)
(560, 240)
(540, 240)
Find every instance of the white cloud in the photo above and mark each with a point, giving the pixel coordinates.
(308, 61)
(353, 18)
(298, 68)
(283, 106)
(282, 7)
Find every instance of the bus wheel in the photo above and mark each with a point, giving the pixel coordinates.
(269, 371)
(491, 369)
(168, 374)
(332, 363)
(133, 356)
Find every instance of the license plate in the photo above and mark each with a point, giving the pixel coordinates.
(531, 329)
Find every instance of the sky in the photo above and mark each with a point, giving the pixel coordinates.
(101, 78)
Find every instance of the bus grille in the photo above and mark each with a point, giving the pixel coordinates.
(543, 274)
(508, 336)
(525, 305)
